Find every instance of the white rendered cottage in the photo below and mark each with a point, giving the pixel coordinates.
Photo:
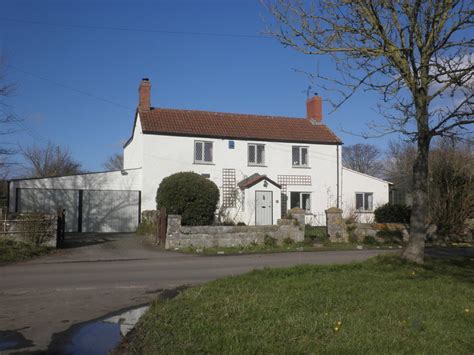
(263, 166)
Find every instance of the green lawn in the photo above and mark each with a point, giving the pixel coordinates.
(379, 306)
(11, 251)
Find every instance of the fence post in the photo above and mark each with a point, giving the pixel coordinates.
(60, 229)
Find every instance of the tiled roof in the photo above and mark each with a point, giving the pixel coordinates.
(235, 126)
(254, 179)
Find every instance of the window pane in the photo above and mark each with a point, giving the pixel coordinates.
(359, 201)
(294, 199)
(306, 199)
(296, 155)
(198, 151)
(251, 153)
(368, 201)
(208, 151)
(260, 154)
(304, 156)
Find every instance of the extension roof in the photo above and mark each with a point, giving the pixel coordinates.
(194, 123)
(254, 179)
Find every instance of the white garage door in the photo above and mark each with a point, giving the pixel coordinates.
(50, 201)
(86, 210)
(110, 211)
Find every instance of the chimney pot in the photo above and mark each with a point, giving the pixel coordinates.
(144, 95)
(314, 108)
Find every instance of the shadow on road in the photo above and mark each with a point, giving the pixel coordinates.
(78, 240)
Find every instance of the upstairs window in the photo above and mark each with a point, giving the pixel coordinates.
(299, 156)
(300, 200)
(202, 152)
(256, 154)
(364, 201)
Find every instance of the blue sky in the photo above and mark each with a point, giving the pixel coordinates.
(66, 76)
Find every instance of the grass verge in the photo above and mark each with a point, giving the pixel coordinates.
(379, 306)
(11, 251)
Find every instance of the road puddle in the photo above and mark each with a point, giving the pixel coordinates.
(13, 339)
(99, 336)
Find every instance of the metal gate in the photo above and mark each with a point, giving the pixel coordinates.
(263, 208)
(86, 210)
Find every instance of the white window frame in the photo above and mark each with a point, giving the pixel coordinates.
(301, 193)
(364, 207)
(196, 161)
(255, 163)
(300, 155)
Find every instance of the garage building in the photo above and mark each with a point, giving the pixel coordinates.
(93, 202)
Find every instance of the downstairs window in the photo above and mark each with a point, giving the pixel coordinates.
(300, 200)
(364, 201)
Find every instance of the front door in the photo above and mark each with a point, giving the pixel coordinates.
(263, 208)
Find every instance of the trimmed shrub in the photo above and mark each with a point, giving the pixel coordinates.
(190, 195)
(392, 214)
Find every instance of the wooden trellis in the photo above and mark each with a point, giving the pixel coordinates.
(228, 188)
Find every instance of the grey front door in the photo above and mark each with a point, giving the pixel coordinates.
(263, 208)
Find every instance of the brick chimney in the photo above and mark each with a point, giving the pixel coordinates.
(144, 95)
(314, 108)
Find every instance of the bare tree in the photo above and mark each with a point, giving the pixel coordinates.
(114, 162)
(50, 160)
(416, 54)
(451, 198)
(364, 158)
(398, 167)
(7, 117)
(451, 176)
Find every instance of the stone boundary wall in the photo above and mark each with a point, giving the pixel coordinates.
(37, 228)
(179, 236)
(339, 230)
(371, 229)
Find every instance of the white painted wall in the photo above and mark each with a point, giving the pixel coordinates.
(166, 155)
(352, 182)
(133, 152)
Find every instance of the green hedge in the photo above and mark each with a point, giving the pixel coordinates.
(389, 213)
(190, 195)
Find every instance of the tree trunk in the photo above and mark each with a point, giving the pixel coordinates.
(415, 248)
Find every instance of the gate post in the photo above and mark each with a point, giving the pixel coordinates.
(161, 226)
(60, 228)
